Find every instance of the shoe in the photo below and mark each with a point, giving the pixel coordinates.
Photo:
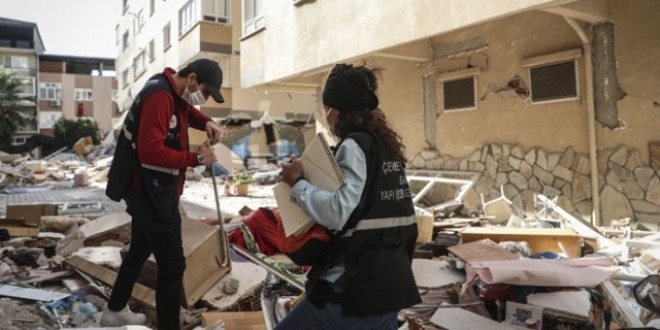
(121, 318)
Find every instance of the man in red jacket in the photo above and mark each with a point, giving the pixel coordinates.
(156, 129)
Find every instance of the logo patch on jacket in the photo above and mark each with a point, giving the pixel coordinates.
(173, 122)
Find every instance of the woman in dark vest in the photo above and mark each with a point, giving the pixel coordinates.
(365, 275)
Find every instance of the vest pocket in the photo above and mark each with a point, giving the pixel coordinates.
(154, 200)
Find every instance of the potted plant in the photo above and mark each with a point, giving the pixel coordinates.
(242, 183)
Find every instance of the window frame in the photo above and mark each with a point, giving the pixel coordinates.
(219, 19)
(191, 10)
(139, 58)
(167, 36)
(56, 89)
(33, 85)
(11, 60)
(460, 75)
(256, 22)
(125, 77)
(83, 94)
(565, 99)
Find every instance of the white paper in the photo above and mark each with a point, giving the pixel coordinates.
(584, 272)
(572, 302)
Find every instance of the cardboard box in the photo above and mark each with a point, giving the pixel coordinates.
(204, 252)
(236, 320)
(31, 213)
(81, 179)
(35, 165)
(18, 228)
(84, 146)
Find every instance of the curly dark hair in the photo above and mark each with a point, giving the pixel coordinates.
(368, 120)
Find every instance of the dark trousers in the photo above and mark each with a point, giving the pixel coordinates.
(167, 248)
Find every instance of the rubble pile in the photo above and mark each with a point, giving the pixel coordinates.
(493, 267)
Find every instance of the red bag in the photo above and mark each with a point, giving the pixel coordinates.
(305, 248)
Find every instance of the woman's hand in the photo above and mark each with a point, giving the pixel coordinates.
(292, 171)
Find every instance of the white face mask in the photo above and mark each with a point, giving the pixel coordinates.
(196, 98)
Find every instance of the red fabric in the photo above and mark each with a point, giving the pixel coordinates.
(294, 243)
(157, 113)
(263, 226)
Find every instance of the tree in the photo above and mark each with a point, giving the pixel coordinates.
(13, 111)
(68, 132)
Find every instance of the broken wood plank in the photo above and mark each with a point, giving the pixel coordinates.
(141, 293)
(539, 239)
(31, 294)
(482, 250)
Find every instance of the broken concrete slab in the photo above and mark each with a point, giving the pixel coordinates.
(250, 279)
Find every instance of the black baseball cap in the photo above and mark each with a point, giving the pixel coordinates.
(210, 74)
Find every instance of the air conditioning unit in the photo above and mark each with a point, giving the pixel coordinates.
(55, 103)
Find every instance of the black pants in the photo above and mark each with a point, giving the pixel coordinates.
(168, 251)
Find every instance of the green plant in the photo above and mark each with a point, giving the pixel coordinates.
(14, 111)
(69, 131)
(243, 177)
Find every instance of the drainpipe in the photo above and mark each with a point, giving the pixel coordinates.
(591, 119)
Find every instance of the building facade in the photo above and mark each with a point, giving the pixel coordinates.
(539, 97)
(155, 34)
(75, 87)
(20, 47)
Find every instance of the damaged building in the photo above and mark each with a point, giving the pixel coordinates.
(544, 97)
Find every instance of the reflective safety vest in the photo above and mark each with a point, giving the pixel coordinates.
(126, 161)
(377, 243)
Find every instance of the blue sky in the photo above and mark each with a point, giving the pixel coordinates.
(70, 27)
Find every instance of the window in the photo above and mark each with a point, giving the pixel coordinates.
(23, 44)
(124, 5)
(138, 22)
(188, 16)
(152, 7)
(50, 91)
(459, 94)
(124, 78)
(215, 11)
(124, 41)
(18, 140)
(139, 65)
(553, 82)
(27, 87)
(152, 50)
(117, 35)
(16, 62)
(253, 15)
(83, 94)
(114, 94)
(166, 36)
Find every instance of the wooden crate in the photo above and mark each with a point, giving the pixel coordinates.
(540, 240)
(204, 251)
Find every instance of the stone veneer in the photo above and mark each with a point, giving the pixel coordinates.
(628, 187)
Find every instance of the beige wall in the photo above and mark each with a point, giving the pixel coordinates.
(298, 39)
(637, 45)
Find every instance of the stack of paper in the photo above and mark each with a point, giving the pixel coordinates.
(321, 169)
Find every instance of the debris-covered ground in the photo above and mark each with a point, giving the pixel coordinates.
(62, 242)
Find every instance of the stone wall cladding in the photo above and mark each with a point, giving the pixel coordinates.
(628, 187)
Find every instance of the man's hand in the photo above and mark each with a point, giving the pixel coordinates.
(207, 152)
(292, 171)
(213, 132)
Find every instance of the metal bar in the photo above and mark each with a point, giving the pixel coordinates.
(622, 311)
(223, 234)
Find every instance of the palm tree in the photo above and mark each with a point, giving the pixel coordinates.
(12, 109)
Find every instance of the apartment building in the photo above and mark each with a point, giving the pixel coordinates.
(552, 97)
(20, 47)
(76, 87)
(154, 34)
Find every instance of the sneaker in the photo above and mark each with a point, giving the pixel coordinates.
(121, 318)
